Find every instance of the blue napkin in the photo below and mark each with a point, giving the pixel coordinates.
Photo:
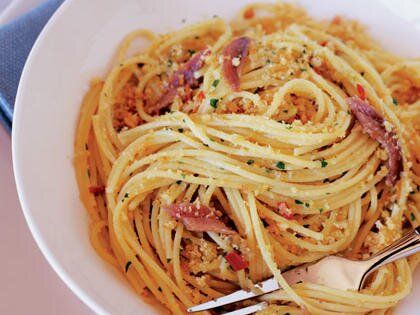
(16, 41)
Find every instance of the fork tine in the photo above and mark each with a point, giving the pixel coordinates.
(248, 310)
(266, 286)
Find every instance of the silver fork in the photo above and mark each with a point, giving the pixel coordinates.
(331, 271)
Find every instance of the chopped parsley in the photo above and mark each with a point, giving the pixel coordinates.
(213, 102)
(249, 162)
(179, 182)
(215, 83)
(280, 165)
(183, 176)
(127, 265)
(125, 197)
(170, 63)
(324, 163)
(289, 127)
(191, 51)
(413, 217)
(394, 101)
(298, 202)
(307, 204)
(302, 69)
(268, 170)
(321, 210)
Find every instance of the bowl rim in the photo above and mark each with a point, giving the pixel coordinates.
(33, 227)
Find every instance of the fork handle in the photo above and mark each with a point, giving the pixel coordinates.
(407, 245)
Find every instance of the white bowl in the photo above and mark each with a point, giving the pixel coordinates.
(78, 43)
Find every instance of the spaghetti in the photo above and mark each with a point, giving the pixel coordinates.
(226, 153)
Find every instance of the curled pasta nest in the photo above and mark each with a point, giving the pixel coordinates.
(285, 138)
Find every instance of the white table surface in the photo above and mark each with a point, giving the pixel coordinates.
(28, 285)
